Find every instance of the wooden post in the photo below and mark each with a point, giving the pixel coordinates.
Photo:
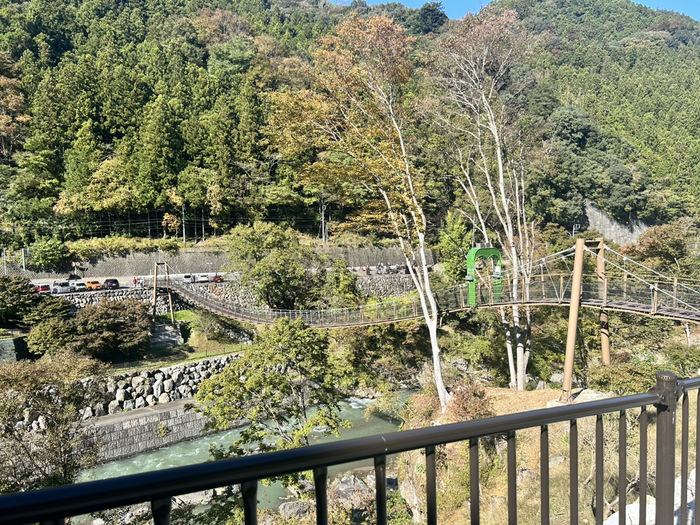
(655, 298)
(155, 290)
(603, 295)
(170, 293)
(544, 290)
(573, 320)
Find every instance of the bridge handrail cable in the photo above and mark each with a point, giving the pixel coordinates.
(651, 285)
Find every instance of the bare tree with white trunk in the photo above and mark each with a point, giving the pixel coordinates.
(474, 69)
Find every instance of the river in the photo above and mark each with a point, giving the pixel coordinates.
(197, 450)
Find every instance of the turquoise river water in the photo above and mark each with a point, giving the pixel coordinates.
(197, 451)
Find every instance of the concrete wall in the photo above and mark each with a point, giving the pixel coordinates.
(193, 260)
(7, 350)
(611, 229)
(186, 261)
(137, 431)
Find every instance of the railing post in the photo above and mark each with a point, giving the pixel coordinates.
(380, 488)
(160, 509)
(665, 446)
(430, 486)
(320, 486)
(249, 490)
(654, 298)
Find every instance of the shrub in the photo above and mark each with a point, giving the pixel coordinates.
(469, 401)
(683, 359)
(623, 378)
(87, 249)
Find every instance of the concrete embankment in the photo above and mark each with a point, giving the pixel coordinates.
(129, 433)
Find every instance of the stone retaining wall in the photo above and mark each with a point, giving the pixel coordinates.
(146, 429)
(146, 388)
(231, 292)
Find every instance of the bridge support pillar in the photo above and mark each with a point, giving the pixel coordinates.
(155, 291)
(573, 320)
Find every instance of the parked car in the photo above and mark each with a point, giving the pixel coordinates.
(218, 278)
(110, 284)
(202, 278)
(43, 288)
(93, 285)
(61, 287)
(80, 286)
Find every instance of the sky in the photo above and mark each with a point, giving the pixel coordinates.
(458, 8)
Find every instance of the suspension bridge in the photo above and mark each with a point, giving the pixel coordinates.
(610, 281)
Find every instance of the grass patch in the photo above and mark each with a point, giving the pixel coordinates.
(198, 346)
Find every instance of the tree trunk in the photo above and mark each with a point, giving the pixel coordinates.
(509, 348)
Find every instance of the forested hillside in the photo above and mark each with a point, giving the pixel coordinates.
(126, 116)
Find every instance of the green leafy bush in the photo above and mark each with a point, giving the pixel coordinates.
(87, 249)
(623, 378)
(683, 359)
(48, 253)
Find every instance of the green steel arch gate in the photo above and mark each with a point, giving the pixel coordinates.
(472, 257)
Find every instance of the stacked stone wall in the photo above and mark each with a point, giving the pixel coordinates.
(146, 388)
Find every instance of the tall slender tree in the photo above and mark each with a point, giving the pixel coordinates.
(475, 71)
(356, 121)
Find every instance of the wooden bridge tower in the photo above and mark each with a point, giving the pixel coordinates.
(576, 287)
(157, 293)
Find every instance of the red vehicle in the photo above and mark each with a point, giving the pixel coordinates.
(218, 278)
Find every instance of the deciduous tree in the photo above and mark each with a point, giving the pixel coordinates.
(285, 386)
(42, 443)
(475, 66)
(355, 123)
(111, 330)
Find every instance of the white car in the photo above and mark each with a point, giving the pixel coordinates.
(62, 287)
(79, 286)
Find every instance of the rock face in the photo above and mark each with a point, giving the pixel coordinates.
(351, 492)
(142, 388)
(632, 510)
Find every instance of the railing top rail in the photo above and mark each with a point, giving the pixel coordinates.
(689, 384)
(92, 496)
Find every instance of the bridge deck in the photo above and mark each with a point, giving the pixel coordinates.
(449, 300)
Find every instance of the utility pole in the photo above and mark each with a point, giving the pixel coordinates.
(184, 239)
(324, 231)
(603, 294)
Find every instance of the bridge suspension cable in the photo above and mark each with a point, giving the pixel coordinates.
(652, 286)
(650, 270)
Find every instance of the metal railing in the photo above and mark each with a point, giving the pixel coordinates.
(53, 506)
(617, 293)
